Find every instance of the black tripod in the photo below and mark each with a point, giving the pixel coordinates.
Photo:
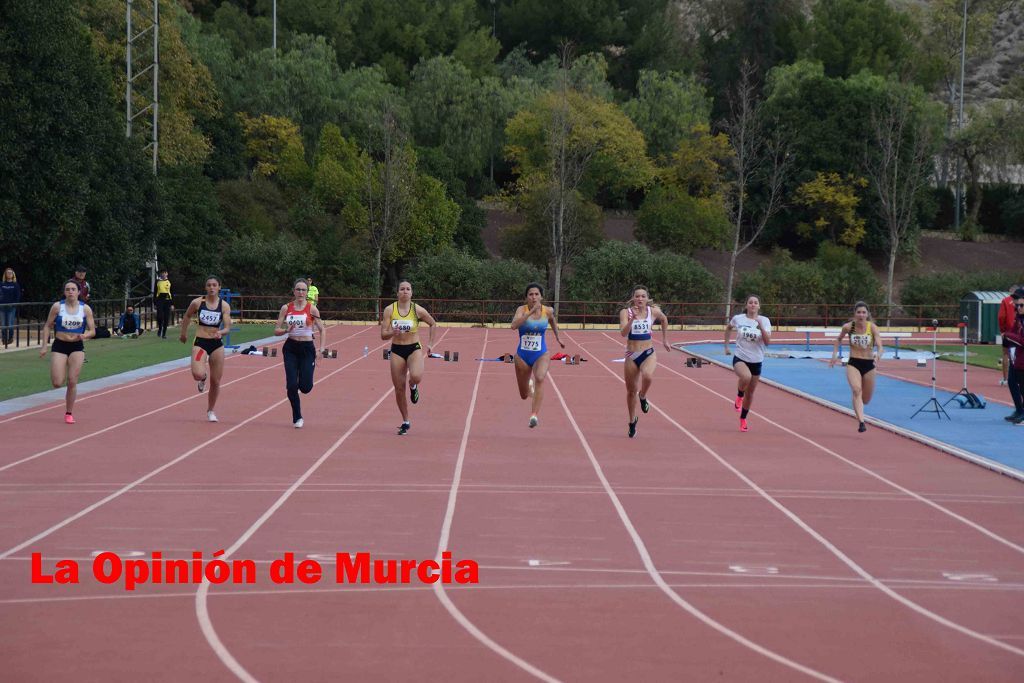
(932, 405)
(967, 399)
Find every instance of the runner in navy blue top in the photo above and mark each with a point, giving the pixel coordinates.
(636, 324)
(213, 315)
(72, 321)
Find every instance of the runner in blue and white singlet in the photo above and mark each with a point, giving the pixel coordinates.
(71, 321)
(636, 323)
(753, 334)
(531, 361)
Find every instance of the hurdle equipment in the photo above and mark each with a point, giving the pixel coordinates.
(965, 397)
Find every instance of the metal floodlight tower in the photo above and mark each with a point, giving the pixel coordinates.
(142, 85)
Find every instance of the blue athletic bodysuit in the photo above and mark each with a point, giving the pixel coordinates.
(533, 338)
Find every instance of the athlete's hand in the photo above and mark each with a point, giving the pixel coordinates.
(42, 350)
(183, 338)
(832, 363)
(727, 351)
(561, 344)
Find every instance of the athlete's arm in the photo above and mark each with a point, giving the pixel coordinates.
(386, 331)
(877, 336)
(625, 320)
(522, 313)
(280, 328)
(187, 320)
(766, 334)
(225, 319)
(554, 326)
(422, 314)
(47, 328)
(660, 316)
(839, 340)
(319, 324)
(728, 336)
(90, 323)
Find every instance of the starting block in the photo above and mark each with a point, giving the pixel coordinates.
(694, 362)
(575, 360)
(270, 351)
(329, 353)
(448, 356)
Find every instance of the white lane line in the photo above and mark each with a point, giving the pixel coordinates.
(442, 546)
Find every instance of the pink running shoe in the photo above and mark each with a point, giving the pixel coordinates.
(743, 425)
(738, 403)
(69, 419)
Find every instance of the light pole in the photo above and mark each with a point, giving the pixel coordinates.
(273, 43)
(960, 122)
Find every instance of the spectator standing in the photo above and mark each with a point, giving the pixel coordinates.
(313, 296)
(1015, 338)
(10, 294)
(1007, 314)
(163, 302)
(83, 284)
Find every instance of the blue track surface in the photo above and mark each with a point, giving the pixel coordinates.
(982, 432)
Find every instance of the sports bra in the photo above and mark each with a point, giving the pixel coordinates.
(404, 323)
(640, 329)
(300, 322)
(210, 317)
(70, 323)
(861, 341)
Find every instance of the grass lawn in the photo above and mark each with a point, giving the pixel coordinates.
(24, 373)
(982, 355)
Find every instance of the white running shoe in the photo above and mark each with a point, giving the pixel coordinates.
(211, 416)
(201, 386)
(533, 421)
(298, 423)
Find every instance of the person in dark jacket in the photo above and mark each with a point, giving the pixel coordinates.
(10, 294)
(129, 325)
(1015, 375)
(83, 284)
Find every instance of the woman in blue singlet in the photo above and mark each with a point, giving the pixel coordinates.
(72, 322)
(865, 351)
(636, 323)
(532, 321)
(213, 317)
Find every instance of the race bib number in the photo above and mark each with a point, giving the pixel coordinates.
(860, 340)
(402, 325)
(209, 317)
(296, 320)
(750, 333)
(74, 323)
(641, 327)
(530, 342)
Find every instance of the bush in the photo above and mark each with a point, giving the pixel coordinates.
(937, 294)
(849, 277)
(782, 280)
(672, 219)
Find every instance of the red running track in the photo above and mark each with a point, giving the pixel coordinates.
(799, 550)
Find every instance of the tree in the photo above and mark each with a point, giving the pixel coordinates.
(666, 108)
(759, 157)
(832, 202)
(567, 147)
(274, 147)
(898, 167)
(849, 35)
(73, 188)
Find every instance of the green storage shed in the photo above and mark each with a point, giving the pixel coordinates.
(982, 312)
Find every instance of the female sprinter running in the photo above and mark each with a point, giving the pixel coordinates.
(401, 325)
(297, 320)
(213, 316)
(753, 333)
(636, 323)
(532, 320)
(72, 322)
(865, 349)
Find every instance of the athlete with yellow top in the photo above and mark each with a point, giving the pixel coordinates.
(401, 324)
(865, 349)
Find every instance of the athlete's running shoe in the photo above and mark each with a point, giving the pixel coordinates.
(414, 394)
(738, 403)
(632, 427)
(533, 421)
(211, 416)
(743, 425)
(644, 405)
(298, 423)
(201, 385)
(404, 428)
(69, 419)
(862, 428)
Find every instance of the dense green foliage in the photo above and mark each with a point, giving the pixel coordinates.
(361, 149)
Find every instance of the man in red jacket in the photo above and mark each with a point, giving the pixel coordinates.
(1014, 337)
(1006, 316)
